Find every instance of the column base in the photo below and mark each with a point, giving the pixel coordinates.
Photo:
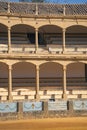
(9, 52)
(64, 96)
(36, 51)
(10, 98)
(63, 52)
(37, 97)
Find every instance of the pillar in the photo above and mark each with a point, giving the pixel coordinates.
(8, 7)
(70, 107)
(64, 30)
(37, 82)
(20, 110)
(10, 83)
(64, 11)
(64, 83)
(9, 39)
(36, 40)
(45, 109)
(36, 9)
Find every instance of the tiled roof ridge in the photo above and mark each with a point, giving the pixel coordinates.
(43, 8)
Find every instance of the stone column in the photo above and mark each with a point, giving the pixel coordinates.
(37, 83)
(36, 40)
(20, 110)
(64, 83)
(36, 9)
(8, 7)
(10, 83)
(64, 11)
(9, 39)
(70, 107)
(45, 109)
(64, 30)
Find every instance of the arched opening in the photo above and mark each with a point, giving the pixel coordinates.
(50, 76)
(3, 75)
(77, 76)
(23, 74)
(50, 36)
(76, 37)
(22, 37)
(3, 38)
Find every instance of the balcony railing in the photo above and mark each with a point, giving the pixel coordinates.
(44, 49)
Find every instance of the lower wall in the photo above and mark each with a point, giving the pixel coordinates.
(42, 109)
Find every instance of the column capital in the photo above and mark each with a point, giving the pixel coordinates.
(64, 67)
(9, 28)
(10, 67)
(36, 29)
(37, 67)
(64, 29)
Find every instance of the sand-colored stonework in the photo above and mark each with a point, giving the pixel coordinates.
(75, 123)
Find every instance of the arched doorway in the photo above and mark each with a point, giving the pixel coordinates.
(76, 37)
(3, 38)
(51, 76)
(76, 76)
(3, 75)
(50, 36)
(22, 37)
(23, 74)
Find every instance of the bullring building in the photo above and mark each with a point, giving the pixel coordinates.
(43, 51)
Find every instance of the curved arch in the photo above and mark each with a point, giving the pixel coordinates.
(73, 26)
(76, 75)
(2, 62)
(3, 24)
(21, 34)
(74, 62)
(22, 25)
(3, 28)
(50, 74)
(49, 35)
(23, 62)
(47, 26)
(76, 35)
(76, 69)
(51, 62)
(3, 73)
(24, 74)
(23, 70)
(50, 69)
